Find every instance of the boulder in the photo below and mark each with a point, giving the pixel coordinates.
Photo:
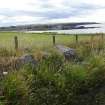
(15, 63)
(69, 53)
(25, 59)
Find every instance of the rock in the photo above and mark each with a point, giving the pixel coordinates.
(25, 59)
(15, 63)
(69, 53)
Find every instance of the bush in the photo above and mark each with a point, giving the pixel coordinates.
(1, 103)
(2, 100)
(55, 82)
(15, 89)
(76, 83)
(44, 87)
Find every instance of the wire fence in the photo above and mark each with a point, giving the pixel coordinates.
(39, 41)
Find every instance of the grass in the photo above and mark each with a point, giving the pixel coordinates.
(56, 82)
(34, 40)
(53, 81)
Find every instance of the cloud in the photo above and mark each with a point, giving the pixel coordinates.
(15, 12)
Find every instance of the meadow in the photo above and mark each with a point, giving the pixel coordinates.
(54, 80)
(35, 40)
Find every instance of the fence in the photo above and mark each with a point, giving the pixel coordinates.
(76, 39)
(27, 40)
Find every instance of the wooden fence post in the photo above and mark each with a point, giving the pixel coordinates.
(76, 38)
(16, 42)
(53, 39)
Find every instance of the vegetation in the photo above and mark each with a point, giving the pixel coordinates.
(37, 40)
(54, 81)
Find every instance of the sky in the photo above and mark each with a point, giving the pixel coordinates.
(20, 12)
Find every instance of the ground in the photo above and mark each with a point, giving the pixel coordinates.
(34, 40)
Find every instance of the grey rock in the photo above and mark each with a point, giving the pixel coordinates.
(69, 53)
(25, 59)
(16, 63)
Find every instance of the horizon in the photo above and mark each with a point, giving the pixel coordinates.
(24, 12)
(53, 24)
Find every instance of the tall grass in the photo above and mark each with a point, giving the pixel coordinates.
(55, 81)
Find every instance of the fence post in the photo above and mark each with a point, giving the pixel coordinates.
(76, 38)
(53, 39)
(16, 42)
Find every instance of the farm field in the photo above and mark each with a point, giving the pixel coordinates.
(34, 40)
(38, 74)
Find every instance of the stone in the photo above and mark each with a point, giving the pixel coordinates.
(15, 63)
(69, 53)
(25, 59)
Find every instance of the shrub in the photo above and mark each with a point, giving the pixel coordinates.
(46, 82)
(1, 103)
(2, 100)
(55, 82)
(15, 89)
(76, 83)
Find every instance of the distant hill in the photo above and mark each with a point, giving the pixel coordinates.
(43, 27)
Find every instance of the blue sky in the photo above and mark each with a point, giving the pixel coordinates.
(17, 12)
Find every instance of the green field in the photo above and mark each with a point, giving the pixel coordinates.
(53, 79)
(34, 40)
